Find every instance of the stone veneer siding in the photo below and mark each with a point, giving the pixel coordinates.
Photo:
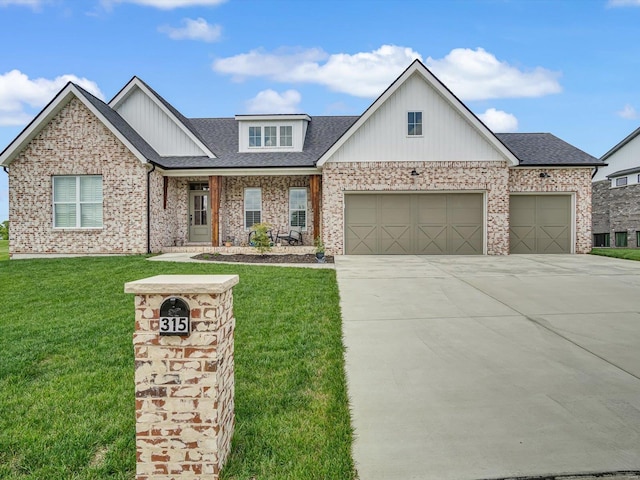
(75, 142)
(494, 178)
(561, 180)
(490, 177)
(616, 209)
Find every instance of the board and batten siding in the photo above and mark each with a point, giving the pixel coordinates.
(156, 127)
(447, 135)
(627, 157)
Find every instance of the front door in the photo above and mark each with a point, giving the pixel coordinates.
(199, 217)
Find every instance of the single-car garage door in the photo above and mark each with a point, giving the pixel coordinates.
(421, 224)
(540, 224)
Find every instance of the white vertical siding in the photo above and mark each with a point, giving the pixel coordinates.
(625, 158)
(447, 135)
(156, 127)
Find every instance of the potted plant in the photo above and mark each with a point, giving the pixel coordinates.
(319, 249)
(228, 241)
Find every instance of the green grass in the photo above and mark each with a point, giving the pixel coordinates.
(4, 250)
(66, 370)
(626, 253)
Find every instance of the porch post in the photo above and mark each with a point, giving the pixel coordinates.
(315, 182)
(214, 191)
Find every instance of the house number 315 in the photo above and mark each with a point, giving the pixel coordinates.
(174, 326)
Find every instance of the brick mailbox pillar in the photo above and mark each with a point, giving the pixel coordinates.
(184, 375)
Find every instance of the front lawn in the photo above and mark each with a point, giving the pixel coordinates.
(4, 250)
(626, 253)
(66, 370)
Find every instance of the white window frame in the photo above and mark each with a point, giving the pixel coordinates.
(258, 137)
(306, 210)
(621, 181)
(77, 202)
(275, 140)
(246, 210)
(414, 135)
(289, 136)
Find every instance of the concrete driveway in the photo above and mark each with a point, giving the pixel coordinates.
(490, 367)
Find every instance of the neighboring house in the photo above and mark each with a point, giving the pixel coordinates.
(417, 172)
(616, 196)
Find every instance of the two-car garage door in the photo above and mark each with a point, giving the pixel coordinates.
(451, 224)
(421, 224)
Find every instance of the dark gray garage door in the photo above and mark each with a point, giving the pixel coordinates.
(540, 224)
(421, 224)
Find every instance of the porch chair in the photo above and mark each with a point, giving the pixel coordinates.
(293, 238)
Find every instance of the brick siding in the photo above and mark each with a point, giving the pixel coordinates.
(616, 210)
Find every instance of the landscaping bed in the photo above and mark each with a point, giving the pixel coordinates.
(272, 258)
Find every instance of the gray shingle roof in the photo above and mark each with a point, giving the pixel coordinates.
(619, 173)
(545, 149)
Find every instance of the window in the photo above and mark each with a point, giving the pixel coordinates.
(286, 136)
(621, 239)
(621, 182)
(255, 136)
(270, 136)
(601, 240)
(77, 201)
(252, 207)
(298, 208)
(414, 124)
(638, 239)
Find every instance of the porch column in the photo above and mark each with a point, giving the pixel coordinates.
(315, 184)
(215, 183)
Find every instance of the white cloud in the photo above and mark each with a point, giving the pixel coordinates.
(623, 3)
(197, 29)
(628, 112)
(479, 75)
(470, 74)
(499, 121)
(19, 95)
(270, 101)
(35, 4)
(364, 74)
(166, 4)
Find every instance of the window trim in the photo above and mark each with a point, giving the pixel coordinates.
(637, 238)
(245, 210)
(306, 209)
(263, 136)
(77, 203)
(414, 123)
(254, 136)
(621, 181)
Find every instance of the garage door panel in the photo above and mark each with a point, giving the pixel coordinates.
(540, 224)
(425, 224)
(362, 239)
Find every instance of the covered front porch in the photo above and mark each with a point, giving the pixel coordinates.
(215, 213)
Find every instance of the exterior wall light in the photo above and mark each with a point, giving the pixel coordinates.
(544, 175)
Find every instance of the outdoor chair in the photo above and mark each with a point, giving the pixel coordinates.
(293, 238)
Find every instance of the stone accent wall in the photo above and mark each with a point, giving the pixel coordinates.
(565, 180)
(616, 210)
(489, 177)
(75, 142)
(275, 204)
(184, 386)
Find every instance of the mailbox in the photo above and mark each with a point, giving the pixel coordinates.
(175, 317)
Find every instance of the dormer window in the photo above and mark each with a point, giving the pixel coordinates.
(277, 133)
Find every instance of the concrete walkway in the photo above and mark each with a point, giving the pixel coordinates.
(491, 367)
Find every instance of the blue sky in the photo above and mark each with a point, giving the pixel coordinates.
(569, 67)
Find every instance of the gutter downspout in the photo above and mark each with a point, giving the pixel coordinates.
(5, 170)
(153, 167)
(594, 172)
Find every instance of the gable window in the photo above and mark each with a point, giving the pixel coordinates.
(77, 201)
(252, 207)
(298, 208)
(414, 124)
(286, 136)
(255, 136)
(621, 182)
(601, 240)
(270, 136)
(621, 239)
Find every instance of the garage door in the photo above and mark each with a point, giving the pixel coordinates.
(540, 224)
(421, 224)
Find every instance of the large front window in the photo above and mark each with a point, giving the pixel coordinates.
(252, 207)
(298, 208)
(77, 201)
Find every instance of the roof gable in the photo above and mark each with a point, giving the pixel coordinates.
(162, 126)
(485, 138)
(109, 118)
